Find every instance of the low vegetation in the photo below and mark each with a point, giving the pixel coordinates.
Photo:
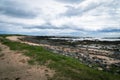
(66, 68)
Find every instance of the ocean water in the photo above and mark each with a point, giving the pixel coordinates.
(93, 39)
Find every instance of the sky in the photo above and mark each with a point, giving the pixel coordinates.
(87, 18)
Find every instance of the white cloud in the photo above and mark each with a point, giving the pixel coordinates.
(63, 17)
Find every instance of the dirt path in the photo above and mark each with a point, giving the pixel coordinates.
(14, 66)
(16, 38)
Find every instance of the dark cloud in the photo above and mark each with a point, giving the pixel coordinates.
(70, 1)
(46, 26)
(49, 26)
(4, 24)
(11, 8)
(72, 11)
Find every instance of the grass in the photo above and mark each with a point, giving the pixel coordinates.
(66, 68)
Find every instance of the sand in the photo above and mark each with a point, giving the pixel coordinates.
(14, 66)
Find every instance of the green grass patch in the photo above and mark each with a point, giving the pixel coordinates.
(66, 68)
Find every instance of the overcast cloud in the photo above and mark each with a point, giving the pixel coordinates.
(60, 17)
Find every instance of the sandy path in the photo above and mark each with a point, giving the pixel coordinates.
(14, 66)
(16, 38)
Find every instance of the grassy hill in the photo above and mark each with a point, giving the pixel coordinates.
(66, 68)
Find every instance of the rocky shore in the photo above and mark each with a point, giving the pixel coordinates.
(96, 57)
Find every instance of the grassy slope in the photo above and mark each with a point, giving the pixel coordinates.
(66, 68)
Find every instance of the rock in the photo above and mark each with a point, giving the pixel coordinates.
(90, 65)
(1, 55)
(100, 69)
(23, 61)
(17, 78)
